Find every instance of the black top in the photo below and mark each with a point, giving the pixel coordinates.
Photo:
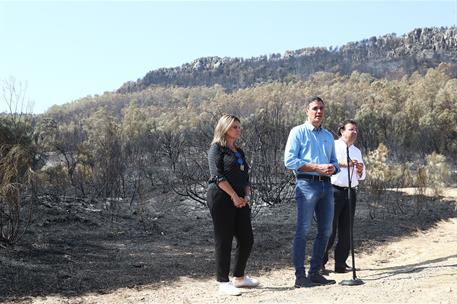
(224, 165)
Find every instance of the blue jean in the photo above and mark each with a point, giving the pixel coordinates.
(312, 197)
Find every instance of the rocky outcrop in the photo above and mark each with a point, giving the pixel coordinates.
(386, 56)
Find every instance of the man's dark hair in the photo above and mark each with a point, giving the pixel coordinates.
(313, 99)
(344, 123)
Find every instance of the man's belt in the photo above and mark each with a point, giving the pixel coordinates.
(314, 178)
(343, 188)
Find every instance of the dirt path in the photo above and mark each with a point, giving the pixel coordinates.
(421, 268)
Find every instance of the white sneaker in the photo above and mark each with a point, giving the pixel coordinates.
(227, 288)
(247, 282)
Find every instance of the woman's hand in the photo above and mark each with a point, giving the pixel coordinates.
(239, 202)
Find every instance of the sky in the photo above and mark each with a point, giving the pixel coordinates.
(61, 51)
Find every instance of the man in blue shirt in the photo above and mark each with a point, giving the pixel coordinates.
(310, 153)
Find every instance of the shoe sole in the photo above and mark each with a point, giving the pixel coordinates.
(308, 285)
(222, 293)
(247, 287)
(323, 284)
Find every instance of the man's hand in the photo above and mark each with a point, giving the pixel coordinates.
(326, 169)
(358, 167)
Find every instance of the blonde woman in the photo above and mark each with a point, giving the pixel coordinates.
(228, 202)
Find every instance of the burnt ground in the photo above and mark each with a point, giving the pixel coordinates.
(73, 248)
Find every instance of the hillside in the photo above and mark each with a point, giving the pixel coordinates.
(412, 102)
(388, 56)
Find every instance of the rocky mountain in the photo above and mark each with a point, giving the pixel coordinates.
(387, 56)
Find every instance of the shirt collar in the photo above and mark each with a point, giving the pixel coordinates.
(344, 143)
(309, 126)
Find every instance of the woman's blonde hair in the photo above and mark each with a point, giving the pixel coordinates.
(222, 127)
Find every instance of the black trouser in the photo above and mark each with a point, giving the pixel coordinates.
(229, 222)
(341, 223)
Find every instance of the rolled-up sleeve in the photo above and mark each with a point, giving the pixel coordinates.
(334, 159)
(292, 160)
(216, 164)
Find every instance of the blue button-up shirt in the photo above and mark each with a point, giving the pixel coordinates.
(309, 145)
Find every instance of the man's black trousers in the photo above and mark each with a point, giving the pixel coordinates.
(341, 226)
